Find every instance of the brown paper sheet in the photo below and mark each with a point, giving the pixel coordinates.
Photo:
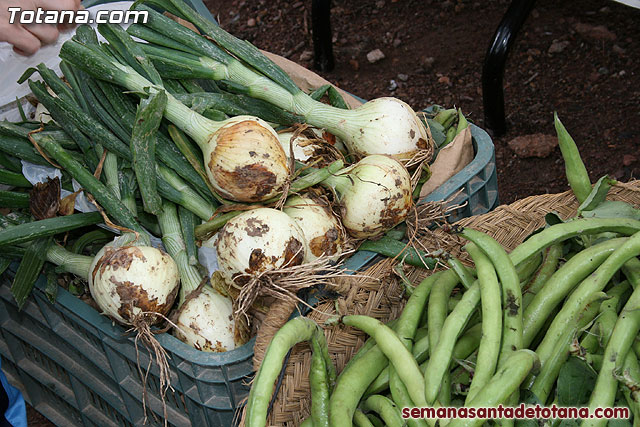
(451, 160)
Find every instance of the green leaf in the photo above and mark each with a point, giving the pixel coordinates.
(553, 218)
(320, 92)
(130, 51)
(576, 381)
(27, 73)
(437, 132)
(29, 269)
(597, 195)
(619, 423)
(336, 99)
(569, 423)
(143, 148)
(613, 209)
(23, 115)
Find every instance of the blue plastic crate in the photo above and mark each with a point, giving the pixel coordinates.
(86, 371)
(78, 368)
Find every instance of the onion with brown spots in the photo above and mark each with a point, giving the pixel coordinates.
(132, 283)
(204, 317)
(256, 241)
(374, 195)
(322, 230)
(382, 126)
(245, 161)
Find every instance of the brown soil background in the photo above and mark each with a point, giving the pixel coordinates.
(593, 83)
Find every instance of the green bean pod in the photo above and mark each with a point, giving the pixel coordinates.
(548, 267)
(466, 345)
(361, 420)
(624, 332)
(294, 331)
(631, 270)
(406, 329)
(464, 273)
(440, 357)
(564, 231)
(384, 407)
(608, 315)
(489, 350)
(561, 283)
(352, 384)
(399, 356)
(576, 172)
(592, 284)
(401, 397)
(547, 376)
(511, 293)
(362, 370)
(527, 269)
(436, 314)
(319, 385)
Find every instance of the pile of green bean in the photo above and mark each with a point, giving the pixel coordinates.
(506, 331)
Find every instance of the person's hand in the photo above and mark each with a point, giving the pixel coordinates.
(28, 38)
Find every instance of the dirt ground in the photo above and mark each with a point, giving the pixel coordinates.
(579, 58)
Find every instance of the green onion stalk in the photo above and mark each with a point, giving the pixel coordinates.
(243, 158)
(382, 126)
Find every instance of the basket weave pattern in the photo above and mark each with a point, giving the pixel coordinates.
(383, 298)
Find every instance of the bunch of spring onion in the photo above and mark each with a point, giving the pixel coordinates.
(381, 126)
(135, 166)
(243, 158)
(129, 187)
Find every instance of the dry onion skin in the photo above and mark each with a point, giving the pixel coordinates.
(129, 283)
(245, 161)
(312, 145)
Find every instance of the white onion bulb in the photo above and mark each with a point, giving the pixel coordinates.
(127, 281)
(256, 241)
(385, 126)
(382, 126)
(206, 321)
(312, 144)
(322, 230)
(374, 195)
(245, 161)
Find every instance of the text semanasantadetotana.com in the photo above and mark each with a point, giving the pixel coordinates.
(42, 16)
(518, 412)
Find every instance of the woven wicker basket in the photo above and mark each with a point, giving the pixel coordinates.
(383, 298)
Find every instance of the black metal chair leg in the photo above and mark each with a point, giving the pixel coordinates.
(321, 27)
(494, 62)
